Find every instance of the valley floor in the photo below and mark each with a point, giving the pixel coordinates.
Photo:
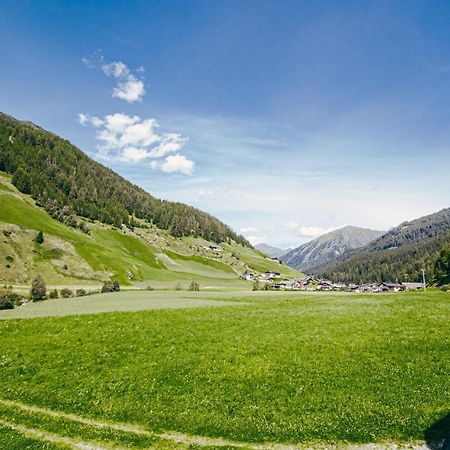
(256, 370)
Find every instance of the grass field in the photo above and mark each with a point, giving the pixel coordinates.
(289, 368)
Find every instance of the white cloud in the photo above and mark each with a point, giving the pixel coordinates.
(130, 86)
(170, 143)
(249, 229)
(178, 163)
(255, 240)
(133, 154)
(131, 90)
(308, 231)
(314, 231)
(132, 139)
(204, 193)
(116, 69)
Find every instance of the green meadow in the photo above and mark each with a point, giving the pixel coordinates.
(225, 369)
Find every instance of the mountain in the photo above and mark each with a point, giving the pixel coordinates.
(401, 253)
(97, 225)
(328, 247)
(275, 252)
(67, 183)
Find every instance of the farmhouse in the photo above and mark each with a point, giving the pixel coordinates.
(325, 285)
(271, 275)
(368, 288)
(388, 286)
(247, 276)
(412, 286)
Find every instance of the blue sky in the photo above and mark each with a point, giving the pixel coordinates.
(285, 119)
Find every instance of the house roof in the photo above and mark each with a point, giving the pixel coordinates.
(390, 284)
(413, 285)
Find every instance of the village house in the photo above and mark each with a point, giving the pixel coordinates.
(388, 286)
(247, 276)
(368, 288)
(271, 275)
(325, 285)
(412, 286)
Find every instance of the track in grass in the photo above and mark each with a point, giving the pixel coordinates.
(166, 439)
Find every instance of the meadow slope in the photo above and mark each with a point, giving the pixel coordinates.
(132, 256)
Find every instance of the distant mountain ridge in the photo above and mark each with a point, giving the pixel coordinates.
(401, 253)
(329, 246)
(272, 251)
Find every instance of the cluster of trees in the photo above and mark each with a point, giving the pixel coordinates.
(404, 263)
(442, 267)
(38, 292)
(67, 183)
(194, 286)
(110, 286)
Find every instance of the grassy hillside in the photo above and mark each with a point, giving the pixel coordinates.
(70, 256)
(313, 369)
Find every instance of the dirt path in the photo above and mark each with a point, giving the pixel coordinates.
(51, 437)
(180, 438)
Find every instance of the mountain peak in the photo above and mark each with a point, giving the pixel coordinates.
(329, 246)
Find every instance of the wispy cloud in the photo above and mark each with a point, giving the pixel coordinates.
(132, 139)
(309, 231)
(249, 229)
(130, 85)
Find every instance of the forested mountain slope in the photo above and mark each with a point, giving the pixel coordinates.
(401, 253)
(67, 183)
(329, 246)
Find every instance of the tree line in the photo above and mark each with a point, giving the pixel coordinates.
(404, 263)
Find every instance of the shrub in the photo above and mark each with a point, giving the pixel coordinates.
(445, 288)
(110, 286)
(256, 286)
(9, 258)
(66, 293)
(6, 304)
(38, 289)
(178, 287)
(8, 298)
(80, 293)
(53, 294)
(39, 239)
(194, 286)
(149, 288)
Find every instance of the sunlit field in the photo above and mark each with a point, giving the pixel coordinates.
(182, 369)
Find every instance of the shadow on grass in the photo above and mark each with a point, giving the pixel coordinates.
(437, 436)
